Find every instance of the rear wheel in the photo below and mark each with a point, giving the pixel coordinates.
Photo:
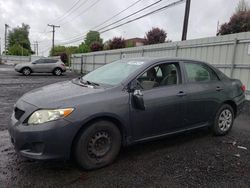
(57, 72)
(223, 120)
(98, 145)
(26, 71)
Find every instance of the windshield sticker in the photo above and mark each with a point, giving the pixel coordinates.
(135, 62)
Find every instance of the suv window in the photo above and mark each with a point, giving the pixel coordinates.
(50, 60)
(197, 72)
(160, 75)
(39, 61)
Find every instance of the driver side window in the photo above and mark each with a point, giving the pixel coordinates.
(165, 74)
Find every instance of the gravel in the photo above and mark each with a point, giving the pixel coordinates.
(193, 159)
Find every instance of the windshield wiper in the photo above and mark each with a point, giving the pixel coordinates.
(86, 82)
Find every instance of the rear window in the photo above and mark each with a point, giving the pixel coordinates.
(197, 72)
(50, 61)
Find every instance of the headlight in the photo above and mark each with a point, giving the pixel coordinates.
(42, 116)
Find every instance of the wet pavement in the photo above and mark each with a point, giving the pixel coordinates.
(192, 159)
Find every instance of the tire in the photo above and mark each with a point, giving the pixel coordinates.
(98, 145)
(57, 72)
(26, 71)
(223, 121)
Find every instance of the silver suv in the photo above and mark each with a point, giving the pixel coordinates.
(55, 66)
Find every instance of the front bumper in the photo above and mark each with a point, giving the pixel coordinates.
(17, 69)
(51, 140)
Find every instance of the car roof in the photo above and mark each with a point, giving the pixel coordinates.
(152, 60)
(149, 61)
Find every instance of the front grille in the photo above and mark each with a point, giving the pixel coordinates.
(18, 113)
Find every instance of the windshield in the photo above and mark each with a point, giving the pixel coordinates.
(113, 73)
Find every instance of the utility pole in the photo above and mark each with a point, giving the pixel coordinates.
(0, 47)
(218, 27)
(53, 35)
(5, 38)
(186, 17)
(36, 47)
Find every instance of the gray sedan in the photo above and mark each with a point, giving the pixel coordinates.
(55, 66)
(122, 103)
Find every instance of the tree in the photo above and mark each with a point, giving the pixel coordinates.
(96, 46)
(116, 43)
(64, 52)
(239, 22)
(64, 58)
(19, 36)
(92, 36)
(155, 36)
(18, 50)
(58, 50)
(242, 6)
(83, 48)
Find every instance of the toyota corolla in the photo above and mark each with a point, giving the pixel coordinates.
(122, 103)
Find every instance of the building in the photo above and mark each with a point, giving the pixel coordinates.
(135, 42)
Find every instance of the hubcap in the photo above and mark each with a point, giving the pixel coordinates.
(225, 120)
(99, 144)
(26, 71)
(58, 71)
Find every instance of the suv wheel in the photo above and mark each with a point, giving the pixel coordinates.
(223, 120)
(98, 145)
(57, 72)
(26, 71)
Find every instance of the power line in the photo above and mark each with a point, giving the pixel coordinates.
(140, 17)
(71, 12)
(84, 11)
(66, 13)
(133, 4)
(132, 14)
(80, 37)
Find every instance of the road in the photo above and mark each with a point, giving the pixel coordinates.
(192, 159)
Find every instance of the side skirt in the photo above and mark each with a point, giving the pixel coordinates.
(169, 134)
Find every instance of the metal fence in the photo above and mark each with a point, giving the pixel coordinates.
(12, 59)
(229, 53)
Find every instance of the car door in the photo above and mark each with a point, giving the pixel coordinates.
(163, 103)
(39, 65)
(203, 91)
(50, 65)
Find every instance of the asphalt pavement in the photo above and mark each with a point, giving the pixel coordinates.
(194, 159)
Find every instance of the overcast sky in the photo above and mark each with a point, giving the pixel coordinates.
(76, 21)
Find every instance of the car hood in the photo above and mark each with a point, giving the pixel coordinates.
(58, 95)
(23, 64)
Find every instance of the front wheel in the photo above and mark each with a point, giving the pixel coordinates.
(98, 145)
(26, 71)
(223, 120)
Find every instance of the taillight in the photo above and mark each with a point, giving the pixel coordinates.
(243, 88)
(63, 65)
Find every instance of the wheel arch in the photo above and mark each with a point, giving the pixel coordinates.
(57, 68)
(233, 105)
(116, 121)
(26, 67)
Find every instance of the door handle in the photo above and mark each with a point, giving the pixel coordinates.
(218, 88)
(181, 94)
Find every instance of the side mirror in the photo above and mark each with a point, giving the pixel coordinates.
(134, 85)
(137, 99)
